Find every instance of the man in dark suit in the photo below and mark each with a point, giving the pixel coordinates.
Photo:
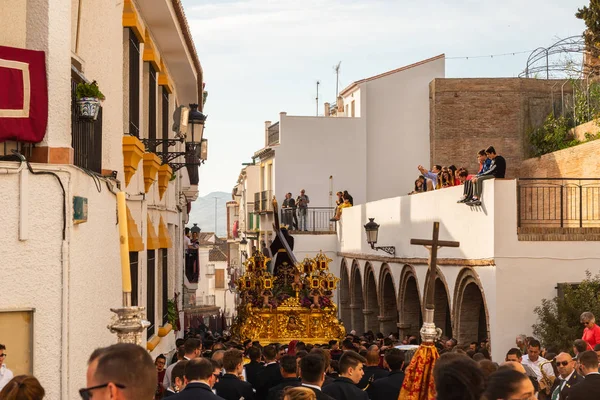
(312, 370)
(372, 371)
(351, 372)
(567, 377)
(254, 366)
(590, 387)
(230, 386)
(178, 377)
(288, 368)
(269, 376)
(389, 387)
(199, 380)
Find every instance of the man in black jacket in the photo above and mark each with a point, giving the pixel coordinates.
(230, 386)
(389, 387)
(567, 377)
(254, 366)
(351, 372)
(497, 170)
(312, 370)
(589, 388)
(372, 371)
(270, 375)
(199, 379)
(288, 368)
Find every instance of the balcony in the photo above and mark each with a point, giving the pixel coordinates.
(86, 137)
(263, 202)
(273, 134)
(317, 219)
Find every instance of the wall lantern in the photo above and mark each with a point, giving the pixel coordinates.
(372, 231)
(243, 242)
(195, 229)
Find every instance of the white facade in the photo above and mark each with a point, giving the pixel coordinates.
(511, 275)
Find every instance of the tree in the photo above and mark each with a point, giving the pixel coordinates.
(558, 319)
(591, 16)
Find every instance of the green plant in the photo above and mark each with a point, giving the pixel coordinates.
(172, 315)
(552, 136)
(591, 16)
(558, 319)
(88, 90)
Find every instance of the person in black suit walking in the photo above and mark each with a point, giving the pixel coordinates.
(372, 371)
(199, 379)
(389, 387)
(254, 366)
(230, 386)
(567, 377)
(589, 388)
(270, 375)
(312, 371)
(289, 371)
(351, 372)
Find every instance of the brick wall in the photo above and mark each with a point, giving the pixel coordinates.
(467, 115)
(575, 162)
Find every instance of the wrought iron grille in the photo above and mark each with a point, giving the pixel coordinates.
(133, 268)
(151, 295)
(152, 105)
(86, 137)
(165, 286)
(134, 84)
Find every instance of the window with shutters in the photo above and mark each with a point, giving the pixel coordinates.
(150, 293)
(219, 279)
(133, 267)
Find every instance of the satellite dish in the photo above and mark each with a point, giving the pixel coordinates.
(180, 121)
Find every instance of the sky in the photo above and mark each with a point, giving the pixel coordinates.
(263, 57)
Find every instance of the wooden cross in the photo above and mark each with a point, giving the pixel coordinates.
(433, 245)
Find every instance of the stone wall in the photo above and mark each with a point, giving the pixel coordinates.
(579, 161)
(467, 115)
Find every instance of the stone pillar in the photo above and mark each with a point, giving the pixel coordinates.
(387, 324)
(49, 30)
(357, 318)
(371, 323)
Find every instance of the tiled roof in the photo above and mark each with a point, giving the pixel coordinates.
(216, 254)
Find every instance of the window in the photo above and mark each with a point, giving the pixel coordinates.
(165, 117)
(151, 295)
(352, 108)
(134, 84)
(219, 279)
(133, 267)
(165, 285)
(86, 137)
(16, 330)
(152, 104)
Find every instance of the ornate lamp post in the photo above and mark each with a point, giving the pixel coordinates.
(372, 231)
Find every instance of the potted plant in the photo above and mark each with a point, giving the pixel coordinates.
(89, 97)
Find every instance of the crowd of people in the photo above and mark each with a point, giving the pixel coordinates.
(362, 367)
(491, 165)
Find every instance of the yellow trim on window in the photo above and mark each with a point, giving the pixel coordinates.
(151, 53)
(163, 235)
(135, 239)
(164, 330)
(131, 19)
(152, 343)
(152, 242)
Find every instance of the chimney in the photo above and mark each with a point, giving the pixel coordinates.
(267, 125)
(340, 105)
(327, 109)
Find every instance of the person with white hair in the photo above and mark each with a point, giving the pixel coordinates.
(591, 332)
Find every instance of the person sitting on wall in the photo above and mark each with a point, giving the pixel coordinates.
(484, 166)
(497, 170)
(338, 213)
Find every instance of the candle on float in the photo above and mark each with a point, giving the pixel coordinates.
(124, 241)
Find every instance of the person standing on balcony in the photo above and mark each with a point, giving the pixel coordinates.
(302, 204)
(591, 332)
(288, 211)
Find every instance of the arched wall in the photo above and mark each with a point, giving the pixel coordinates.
(344, 295)
(356, 300)
(470, 314)
(371, 310)
(443, 315)
(409, 303)
(388, 305)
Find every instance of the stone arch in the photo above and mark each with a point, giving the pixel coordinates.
(344, 295)
(409, 303)
(357, 303)
(443, 315)
(371, 309)
(388, 305)
(471, 318)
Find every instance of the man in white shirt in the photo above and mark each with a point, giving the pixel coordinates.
(533, 360)
(5, 374)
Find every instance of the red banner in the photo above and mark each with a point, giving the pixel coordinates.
(23, 95)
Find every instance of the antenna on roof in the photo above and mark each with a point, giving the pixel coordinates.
(318, 83)
(337, 79)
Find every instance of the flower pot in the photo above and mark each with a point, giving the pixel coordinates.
(88, 107)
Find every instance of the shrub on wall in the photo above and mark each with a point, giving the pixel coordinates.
(552, 136)
(558, 319)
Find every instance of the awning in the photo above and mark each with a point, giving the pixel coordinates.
(152, 239)
(163, 235)
(135, 239)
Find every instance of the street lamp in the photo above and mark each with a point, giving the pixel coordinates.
(243, 242)
(195, 229)
(372, 231)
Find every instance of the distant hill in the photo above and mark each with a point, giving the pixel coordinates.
(203, 213)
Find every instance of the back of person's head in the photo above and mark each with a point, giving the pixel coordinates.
(299, 393)
(487, 367)
(323, 353)
(191, 345)
(347, 344)
(580, 345)
(178, 371)
(288, 364)
(129, 365)
(300, 346)
(372, 357)
(312, 368)
(478, 357)
(481, 152)
(218, 355)
(458, 378)
(589, 359)
(350, 359)
(503, 384)
(301, 353)
(180, 352)
(254, 353)
(179, 342)
(231, 359)
(23, 387)
(198, 369)
(270, 352)
(394, 359)
(597, 347)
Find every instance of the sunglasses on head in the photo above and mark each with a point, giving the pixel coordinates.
(86, 395)
(563, 363)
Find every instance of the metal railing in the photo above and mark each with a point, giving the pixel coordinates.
(273, 134)
(556, 202)
(317, 219)
(263, 201)
(86, 137)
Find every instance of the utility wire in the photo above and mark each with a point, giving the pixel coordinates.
(514, 53)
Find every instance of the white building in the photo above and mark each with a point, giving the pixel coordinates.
(60, 265)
